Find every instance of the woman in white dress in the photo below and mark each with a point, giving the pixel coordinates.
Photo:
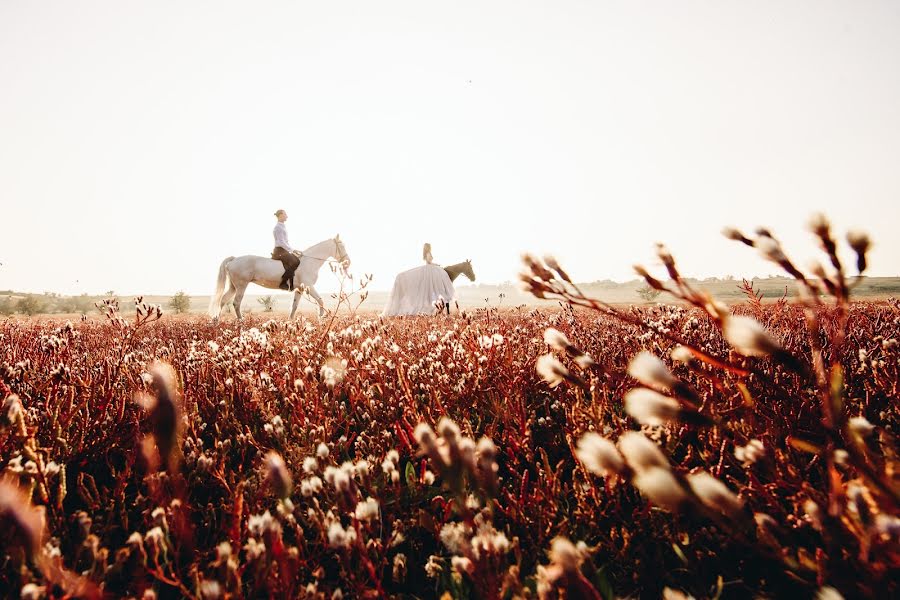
(418, 291)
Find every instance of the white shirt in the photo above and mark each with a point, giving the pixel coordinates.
(280, 233)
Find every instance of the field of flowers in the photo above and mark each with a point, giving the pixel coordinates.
(589, 451)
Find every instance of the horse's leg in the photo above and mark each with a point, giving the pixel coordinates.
(227, 296)
(297, 294)
(238, 297)
(312, 292)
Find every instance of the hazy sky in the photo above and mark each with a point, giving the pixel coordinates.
(142, 142)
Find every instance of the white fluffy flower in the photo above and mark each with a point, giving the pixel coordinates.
(640, 453)
(599, 455)
(551, 370)
(367, 509)
(660, 487)
(651, 371)
(651, 408)
(713, 493)
(748, 336)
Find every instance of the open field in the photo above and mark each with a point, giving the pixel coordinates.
(470, 296)
(416, 457)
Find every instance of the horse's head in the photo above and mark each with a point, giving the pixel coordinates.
(467, 270)
(340, 252)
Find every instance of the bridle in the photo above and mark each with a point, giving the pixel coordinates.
(339, 250)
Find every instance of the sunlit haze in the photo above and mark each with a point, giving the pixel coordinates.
(141, 143)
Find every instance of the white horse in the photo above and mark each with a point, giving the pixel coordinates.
(241, 271)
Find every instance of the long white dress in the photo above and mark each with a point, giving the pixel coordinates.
(415, 291)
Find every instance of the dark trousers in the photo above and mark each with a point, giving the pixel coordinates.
(290, 262)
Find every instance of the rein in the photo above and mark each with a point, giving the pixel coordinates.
(327, 259)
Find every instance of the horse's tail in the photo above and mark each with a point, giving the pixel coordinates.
(215, 303)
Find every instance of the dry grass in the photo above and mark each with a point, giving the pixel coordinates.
(417, 457)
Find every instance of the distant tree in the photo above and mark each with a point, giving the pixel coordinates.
(268, 303)
(30, 305)
(180, 302)
(6, 306)
(83, 303)
(65, 304)
(648, 293)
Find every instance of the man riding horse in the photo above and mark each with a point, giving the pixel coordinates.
(288, 256)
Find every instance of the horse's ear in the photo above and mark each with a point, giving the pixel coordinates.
(469, 260)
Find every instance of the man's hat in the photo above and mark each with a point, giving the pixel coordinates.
(279, 211)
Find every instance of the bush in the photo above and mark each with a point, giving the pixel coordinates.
(180, 303)
(31, 305)
(648, 293)
(268, 303)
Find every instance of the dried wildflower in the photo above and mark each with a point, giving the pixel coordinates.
(165, 414)
(813, 514)
(556, 339)
(461, 564)
(673, 594)
(551, 370)
(651, 408)
(448, 430)
(771, 250)
(338, 537)
(651, 371)
(322, 450)
(455, 536)
(860, 243)
(210, 590)
(564, 554)
(752, 452)
(255, 549)
(31, 591)
(640, 453)
(22, 523)
(860, 426)
(278, 475)
(660, 487)
(828, 593)
(714, 494)
(682, 354)
(599, 455)
(367, 510)
(433, 567)
(488, 541)
(310, 465)
(749, 337)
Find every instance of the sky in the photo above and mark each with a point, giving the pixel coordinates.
(143, 142)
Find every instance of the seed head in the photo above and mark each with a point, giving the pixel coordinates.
(556, 339)
(682, 354)
(22, 523)
(564, 554)
(651, 371)
(749, 337)
(651, 408)
(661, 487)
(640, 453)
(551, 370)
(714, 494)
(860, 426)
(278, 475)
(599, 455)
(165, 414)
